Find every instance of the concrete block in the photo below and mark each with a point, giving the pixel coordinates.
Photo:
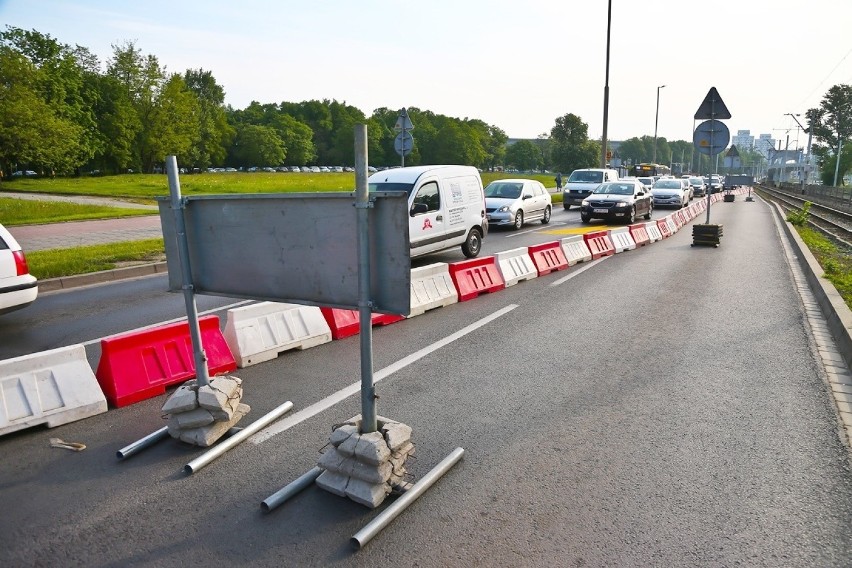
(372, 448)
(396, 434)
(184, 399)
(368, 494)
(332, 460)
(222, 394)
(333, 483)
(206, 435)
(336, 462)
(193, 419)
(347, 447)
(342, 433)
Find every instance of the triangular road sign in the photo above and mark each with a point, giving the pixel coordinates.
(713, 108)
(403, 122)
(733, 152)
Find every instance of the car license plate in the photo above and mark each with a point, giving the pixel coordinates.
(600, 210)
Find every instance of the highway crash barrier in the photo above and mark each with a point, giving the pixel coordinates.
(140, 365)
(51, 387)
(431, 287)
(665, 230)
(673, 227)
(640, 234)
(515, 266)
(599, 244)
(346, 323)
(260, 332)
(653, 230)
(576, 250)
(621, 239)
(476, 276)
(548, 257)
(677, 219)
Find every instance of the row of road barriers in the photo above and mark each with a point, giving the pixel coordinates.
(58, 386)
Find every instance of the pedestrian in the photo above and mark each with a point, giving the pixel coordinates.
(558, 180)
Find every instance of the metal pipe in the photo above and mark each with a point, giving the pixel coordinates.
(606, 87)
(367, 533)
(247, 431)
(365, 312)
(153, 438)
(178, 205)
(290, 490)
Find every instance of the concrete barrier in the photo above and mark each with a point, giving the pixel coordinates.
(260, 332)
(51, 387)
(622, 240)
(673, 227)
(576, 250)
(654, 233)
(515, 266)
(431, 287)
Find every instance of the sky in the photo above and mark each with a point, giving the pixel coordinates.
(516, 65)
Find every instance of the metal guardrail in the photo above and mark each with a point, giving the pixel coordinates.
(839, 198)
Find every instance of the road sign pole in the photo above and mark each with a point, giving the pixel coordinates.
(716, 169)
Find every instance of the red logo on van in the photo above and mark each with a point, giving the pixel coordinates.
(427, 224)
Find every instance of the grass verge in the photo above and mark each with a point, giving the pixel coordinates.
(56, 263)
(29, 212)
(836, 262)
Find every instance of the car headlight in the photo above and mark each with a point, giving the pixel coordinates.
(585, 203)
(622, 204)
(503, 209)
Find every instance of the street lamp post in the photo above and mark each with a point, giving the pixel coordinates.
(656, 122)
(606, 87)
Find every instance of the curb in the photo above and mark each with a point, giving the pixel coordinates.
(68, 282)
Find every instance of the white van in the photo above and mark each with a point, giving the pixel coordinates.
(446, 206)
(584, 181)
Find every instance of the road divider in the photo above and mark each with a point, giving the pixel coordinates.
(640, 234)
(140, 365)
(621, 239)
(476, 276)
(576, 250)
(515, 266)
(673, 227)
(599, 244)
(51, 387)
(260, 332)
(653, 230)
(431, 287)
(664, 228)
(346, 323)
(548, 257)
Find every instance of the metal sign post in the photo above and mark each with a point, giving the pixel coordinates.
(404, 142)
(178, 205)
(711, 136)
(365, 304)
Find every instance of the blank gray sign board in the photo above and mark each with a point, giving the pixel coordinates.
(294, 247)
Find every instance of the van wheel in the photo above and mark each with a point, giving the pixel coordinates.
(519, 220)
(473, 244)
(566, 206)
(546, 219)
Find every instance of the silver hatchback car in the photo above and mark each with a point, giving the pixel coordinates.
(513, 202)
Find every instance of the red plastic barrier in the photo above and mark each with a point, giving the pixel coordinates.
(476, 276)
(345, 323)
(678, 218)
(664, 228)
(640, 234)
(140, 365)
(599, 243)
(548, 257)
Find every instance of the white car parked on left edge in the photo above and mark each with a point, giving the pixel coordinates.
(18, 288)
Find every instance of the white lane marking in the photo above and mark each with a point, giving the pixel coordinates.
(167, 322)
(354, 388)
(542, 228)
(574, 273)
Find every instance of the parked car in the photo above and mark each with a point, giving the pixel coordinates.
(699, 188)
(714, 182)
(513, 202)
(25, 173)
(670, 193)
(618, 200)
(582, 182)
(18, 288)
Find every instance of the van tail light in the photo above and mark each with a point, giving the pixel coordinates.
(20, 262)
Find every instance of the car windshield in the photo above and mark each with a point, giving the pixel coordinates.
(586, 177)
(647, 181)
(668, 184)
(504, 190)
(696, 180)
(615, 188)
(391, 186)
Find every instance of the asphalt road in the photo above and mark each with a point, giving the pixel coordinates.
(663, 407)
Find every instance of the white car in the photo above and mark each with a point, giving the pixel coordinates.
(18, 288)
(513, 202)
(670, 192)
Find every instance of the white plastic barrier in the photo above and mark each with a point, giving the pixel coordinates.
(673, 227)
(653, 231)
(431, 287)
(515, 266)
(261, 331)
(576, 250)
(51, 387)
(622, 240)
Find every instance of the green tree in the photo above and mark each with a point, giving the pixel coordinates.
(173, 125)
(214, 133)
(256, 145)
(571, 148)
(524, 155)
(831, 123)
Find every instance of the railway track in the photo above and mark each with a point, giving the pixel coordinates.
(835, 224)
